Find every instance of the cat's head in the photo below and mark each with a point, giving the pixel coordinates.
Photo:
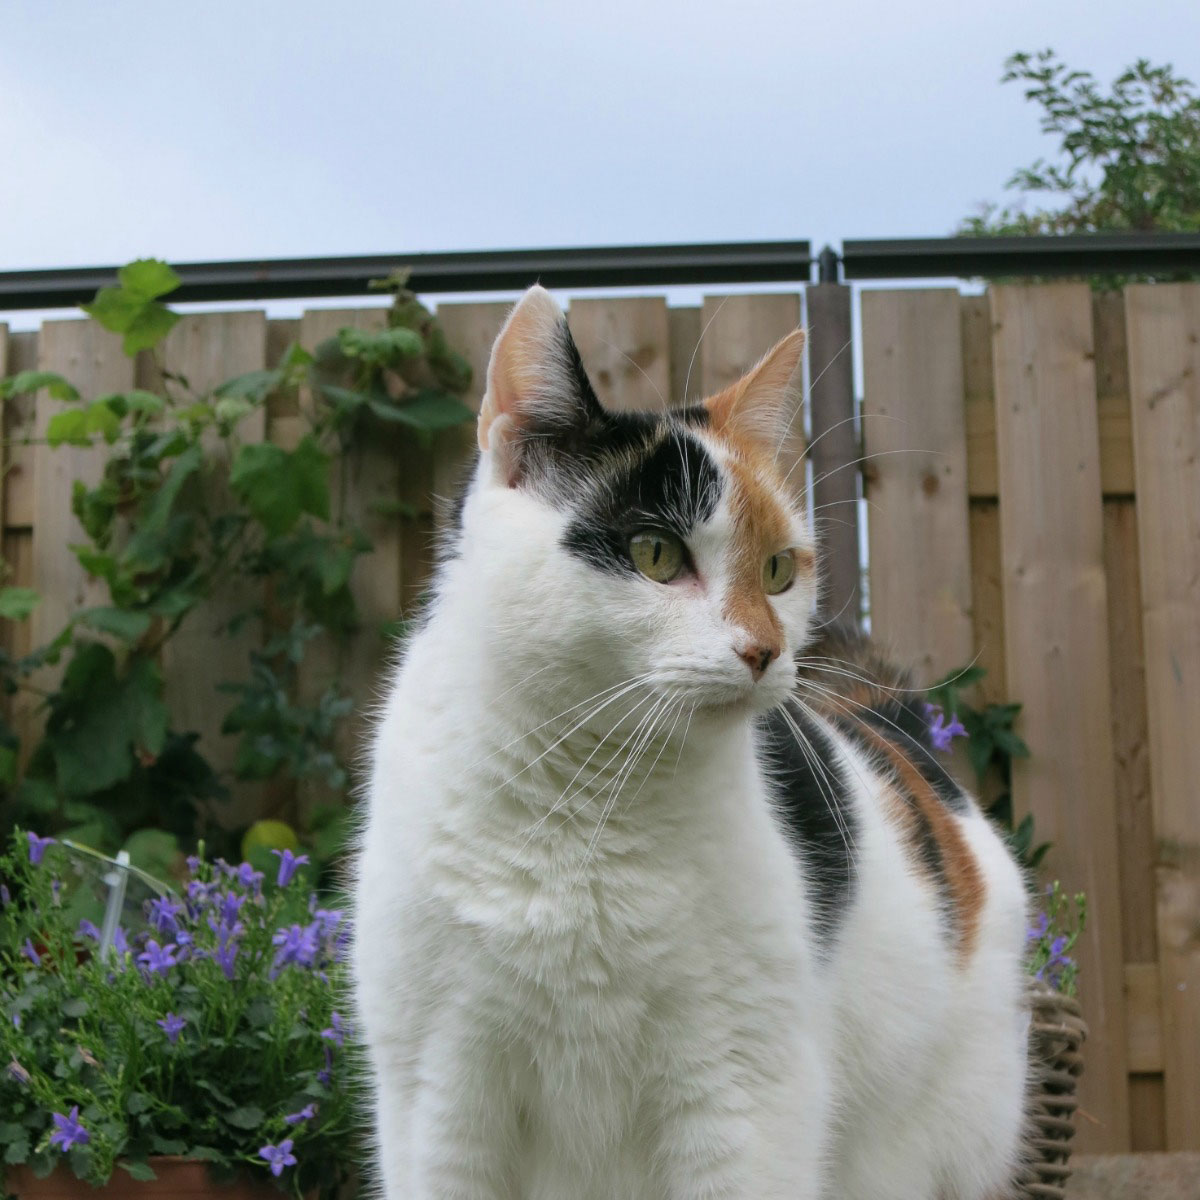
(610, 546)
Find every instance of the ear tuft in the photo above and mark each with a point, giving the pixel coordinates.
(528, 369)
(756, 408)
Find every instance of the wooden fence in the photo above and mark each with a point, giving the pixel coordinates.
(1032, 472)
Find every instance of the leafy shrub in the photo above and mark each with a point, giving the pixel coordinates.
(185, 507)
(210, 1032)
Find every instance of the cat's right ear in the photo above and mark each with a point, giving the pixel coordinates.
(536, 385)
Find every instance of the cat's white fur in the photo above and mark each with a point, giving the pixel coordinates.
(584, 961)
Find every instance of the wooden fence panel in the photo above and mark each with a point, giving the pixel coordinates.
(1164, 371)
(366, 486)
(206, 349)
(686, 326)
(471, 329)
(914, 434)
(1056, 640)
(93, 361)
(625, 345)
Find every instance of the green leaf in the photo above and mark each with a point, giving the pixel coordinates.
(70, 426)
(430, 410)
(253, 386)
(138, 1102)
(16, 603)
(248, 1116)
(120, 622)
(279, 486)
(74, 1007)
(148, 278)
(99, 719)
(16, 1149)
(140, 1171)
(31, 381)
(8, 766)
(229, 410)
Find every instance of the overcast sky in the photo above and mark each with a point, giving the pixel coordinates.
(250, 129)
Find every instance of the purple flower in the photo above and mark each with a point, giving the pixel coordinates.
(229, 904)
(120, 941)
(30, 953)
(5, 896)
(18, 1072)
(1038, 929)
(163, 913)
(37, 847)
(87, 930)
(193, 864)
(249, 878)
(279, 1156)
(289, 863)
(156, 959)
(171, 1025)
(941, 734)
(338, 1029)
(305, 1114)
(297, 944)
(326, 1076)
(224, 955)
(68, 1132)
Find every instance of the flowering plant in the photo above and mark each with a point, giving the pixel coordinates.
(211, 1032)
(1050, 939)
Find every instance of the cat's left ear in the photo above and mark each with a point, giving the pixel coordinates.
(757, 408)
(536, 384)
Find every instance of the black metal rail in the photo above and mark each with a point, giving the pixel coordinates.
(1070, 254)
(639, 266)
(485, 271)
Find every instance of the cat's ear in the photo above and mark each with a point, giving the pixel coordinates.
(757, 408)
(536, 384)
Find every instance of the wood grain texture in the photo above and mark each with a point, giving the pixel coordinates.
(207, 349)
(1131, 763)
(92, 359)
(625, 345)
(365, 481)
(685, 326)
(470, 329)
(834, 450)
(914, 437)
(20, 422)
(1056, 643)
(1144, 1006)
(1163, 325)
(979, 396)
(737, 332)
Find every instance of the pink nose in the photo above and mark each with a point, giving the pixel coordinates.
(758, 658)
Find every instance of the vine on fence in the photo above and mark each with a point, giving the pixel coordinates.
(185, 504)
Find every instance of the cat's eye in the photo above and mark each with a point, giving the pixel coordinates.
(659, 555)
(778, 572)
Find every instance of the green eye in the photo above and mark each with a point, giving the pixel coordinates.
(778, 571)
(657, 554)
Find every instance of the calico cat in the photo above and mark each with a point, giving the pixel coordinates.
(655, 899)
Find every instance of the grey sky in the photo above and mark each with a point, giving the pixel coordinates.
(238, 128)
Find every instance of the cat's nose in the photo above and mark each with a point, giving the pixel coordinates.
(757, 657)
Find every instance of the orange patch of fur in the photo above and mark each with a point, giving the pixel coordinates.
(761, 529)
(963, 876)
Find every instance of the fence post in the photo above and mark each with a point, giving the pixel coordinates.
(834, 444)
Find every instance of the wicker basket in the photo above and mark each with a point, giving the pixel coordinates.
(1056, 1034)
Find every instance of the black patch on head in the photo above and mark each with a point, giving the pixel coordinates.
(646, 471)
(813, 795)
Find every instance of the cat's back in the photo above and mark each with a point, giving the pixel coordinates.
(921, 913)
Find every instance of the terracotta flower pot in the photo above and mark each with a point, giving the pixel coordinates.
(178, 1179)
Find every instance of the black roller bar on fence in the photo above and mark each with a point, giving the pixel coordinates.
(484, 271)
(989, 257)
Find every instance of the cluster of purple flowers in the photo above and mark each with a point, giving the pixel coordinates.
(1057, 961)
(941, 734)
(224, 900)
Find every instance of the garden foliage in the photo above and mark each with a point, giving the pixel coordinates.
(210, 1029)
(184, 506)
